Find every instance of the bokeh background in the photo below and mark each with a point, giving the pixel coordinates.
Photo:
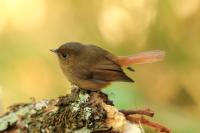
(29, 28)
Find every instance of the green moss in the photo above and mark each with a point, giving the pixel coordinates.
(83, 97)
(41, 104)
(87, 112)
(83, 130)
(73, 113)
(11, 118)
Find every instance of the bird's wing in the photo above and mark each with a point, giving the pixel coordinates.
(104, 67)
(107, 70)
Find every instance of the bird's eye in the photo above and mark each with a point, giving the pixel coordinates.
(63, 55)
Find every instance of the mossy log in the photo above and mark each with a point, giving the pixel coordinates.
(79, 112)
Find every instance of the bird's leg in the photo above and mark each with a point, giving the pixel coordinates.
(147, 112)
(143, 121)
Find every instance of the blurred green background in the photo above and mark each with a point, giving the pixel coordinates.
(29, 28)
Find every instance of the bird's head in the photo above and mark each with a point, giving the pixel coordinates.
(68, 51)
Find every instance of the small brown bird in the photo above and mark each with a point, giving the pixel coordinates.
(93, 68)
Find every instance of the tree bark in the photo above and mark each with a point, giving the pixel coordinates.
(81, 111)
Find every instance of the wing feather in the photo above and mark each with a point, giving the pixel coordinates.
(108, 70)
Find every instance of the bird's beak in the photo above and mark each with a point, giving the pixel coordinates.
(53, 50)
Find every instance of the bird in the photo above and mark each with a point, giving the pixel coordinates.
(91, 67)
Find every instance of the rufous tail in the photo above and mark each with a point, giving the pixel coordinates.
(141, 58)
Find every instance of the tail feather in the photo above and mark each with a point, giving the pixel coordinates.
(141, 58)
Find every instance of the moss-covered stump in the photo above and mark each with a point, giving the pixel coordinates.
(80, 112)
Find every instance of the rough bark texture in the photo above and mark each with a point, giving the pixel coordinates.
(80, 112)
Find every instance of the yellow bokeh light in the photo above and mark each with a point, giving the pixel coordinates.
(25, 14)
(185, 8)
(34, 77)
(1, 101)
(134, 4)
(3, 18)
(126, 19)
(113, 23)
